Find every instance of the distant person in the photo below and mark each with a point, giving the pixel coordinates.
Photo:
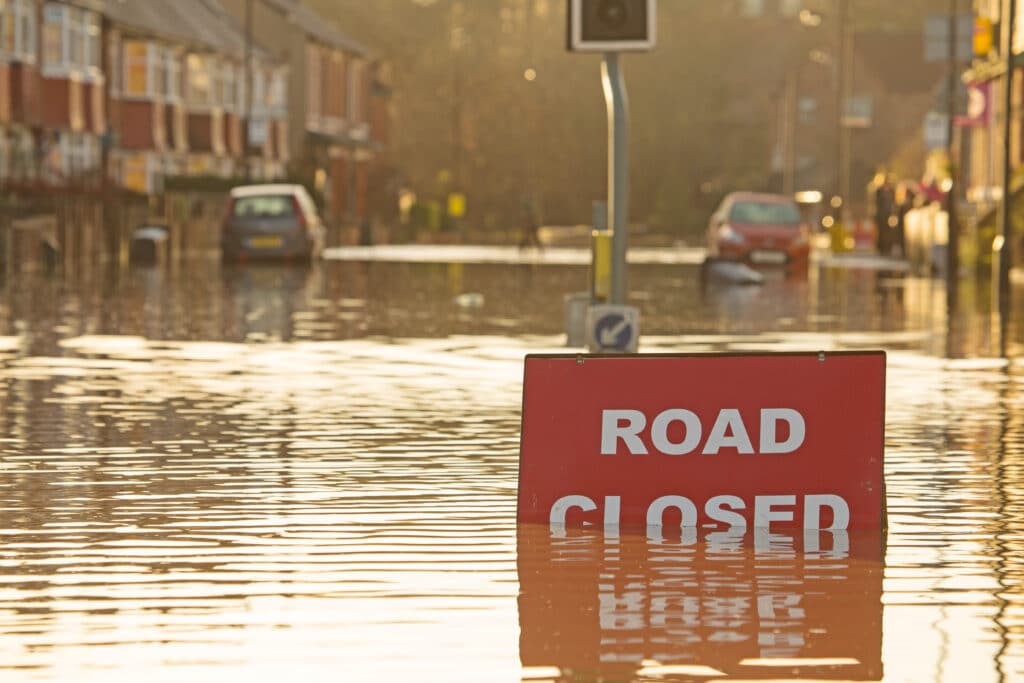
(884, 200)
(530, 236)
(906, 200)
(932, 191)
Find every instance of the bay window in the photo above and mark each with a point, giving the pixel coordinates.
(277, 99)
(71, 41)
(173, 89)
(92, 37)
(18, 30)
(200, 82)
(228, 91)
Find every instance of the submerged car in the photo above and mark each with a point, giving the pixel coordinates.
(271, 222)
(760, 230)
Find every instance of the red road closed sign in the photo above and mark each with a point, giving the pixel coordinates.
(789, 440)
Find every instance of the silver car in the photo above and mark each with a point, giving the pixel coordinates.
(271, 222)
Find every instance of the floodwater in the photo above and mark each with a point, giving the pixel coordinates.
(276, 473)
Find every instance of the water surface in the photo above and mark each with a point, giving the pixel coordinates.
(269, 472)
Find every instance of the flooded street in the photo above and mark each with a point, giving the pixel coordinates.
(269, 472)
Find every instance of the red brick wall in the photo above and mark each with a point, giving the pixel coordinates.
(26, 95)
(200, 132)
(5, 93)
(233, 134)
(56, 99)
(176, 140)
(137, 125)
(95, 108)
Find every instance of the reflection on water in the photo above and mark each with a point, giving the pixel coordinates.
(268, 473)
(341, 300)
(597, 607)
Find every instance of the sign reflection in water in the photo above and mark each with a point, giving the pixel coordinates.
(758, 606)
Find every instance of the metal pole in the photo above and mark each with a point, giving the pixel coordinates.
(791, 102)
(1005, 252)
(248, 89)
(840, 74)
(618, 170)
(953, 227)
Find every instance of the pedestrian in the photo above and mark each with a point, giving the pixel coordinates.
(906, 200)
(884, 200)
(530, 236)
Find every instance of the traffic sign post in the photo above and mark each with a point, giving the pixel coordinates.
(613, 329)
(611, 27)
(721, 442)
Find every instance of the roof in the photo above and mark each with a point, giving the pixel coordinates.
(317, 26)
(157, 18)
(193, 22)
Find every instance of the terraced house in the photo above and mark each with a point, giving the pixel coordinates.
(178, 95)
(52, 92)
(338, 104)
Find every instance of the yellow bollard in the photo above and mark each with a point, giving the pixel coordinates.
(840, 239)
(601, 264)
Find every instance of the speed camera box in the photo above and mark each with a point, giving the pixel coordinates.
(611, 25)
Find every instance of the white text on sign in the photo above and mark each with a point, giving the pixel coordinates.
(728, 431)
(723, 509)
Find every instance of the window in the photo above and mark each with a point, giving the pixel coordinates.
(277, 98)
(265, 206)
(764, 213)
(53, 36)
(71, 40)
(355, 86)
(228, 87)
(116, 64)
(80, 154)
(241, 88)
(313, 85)
(259, 92)
(137, 173)
(7, 27)
(24, 25)
(92, 36)
(173, 89)
(200, 85)
(74, 25)
(136, 68)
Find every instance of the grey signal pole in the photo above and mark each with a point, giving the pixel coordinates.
(618, 170)
(1005, 254)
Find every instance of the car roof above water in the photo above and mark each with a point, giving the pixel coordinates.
(759, 197)
(260, 190)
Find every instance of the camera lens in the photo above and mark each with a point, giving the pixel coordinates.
(613, 13)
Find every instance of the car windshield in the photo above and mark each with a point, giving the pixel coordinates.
(264, 206)
(765, 213)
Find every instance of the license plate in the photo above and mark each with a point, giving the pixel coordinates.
(773, 257)
(265, 242)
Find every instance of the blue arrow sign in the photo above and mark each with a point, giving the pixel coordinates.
(614, 331)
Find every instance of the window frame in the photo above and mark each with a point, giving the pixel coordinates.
(26, 47)
(199, 64)
(79, 48)
(173, 86)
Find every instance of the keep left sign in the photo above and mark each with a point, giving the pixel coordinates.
(733, 441)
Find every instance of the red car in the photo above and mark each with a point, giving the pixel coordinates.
(760, 230)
